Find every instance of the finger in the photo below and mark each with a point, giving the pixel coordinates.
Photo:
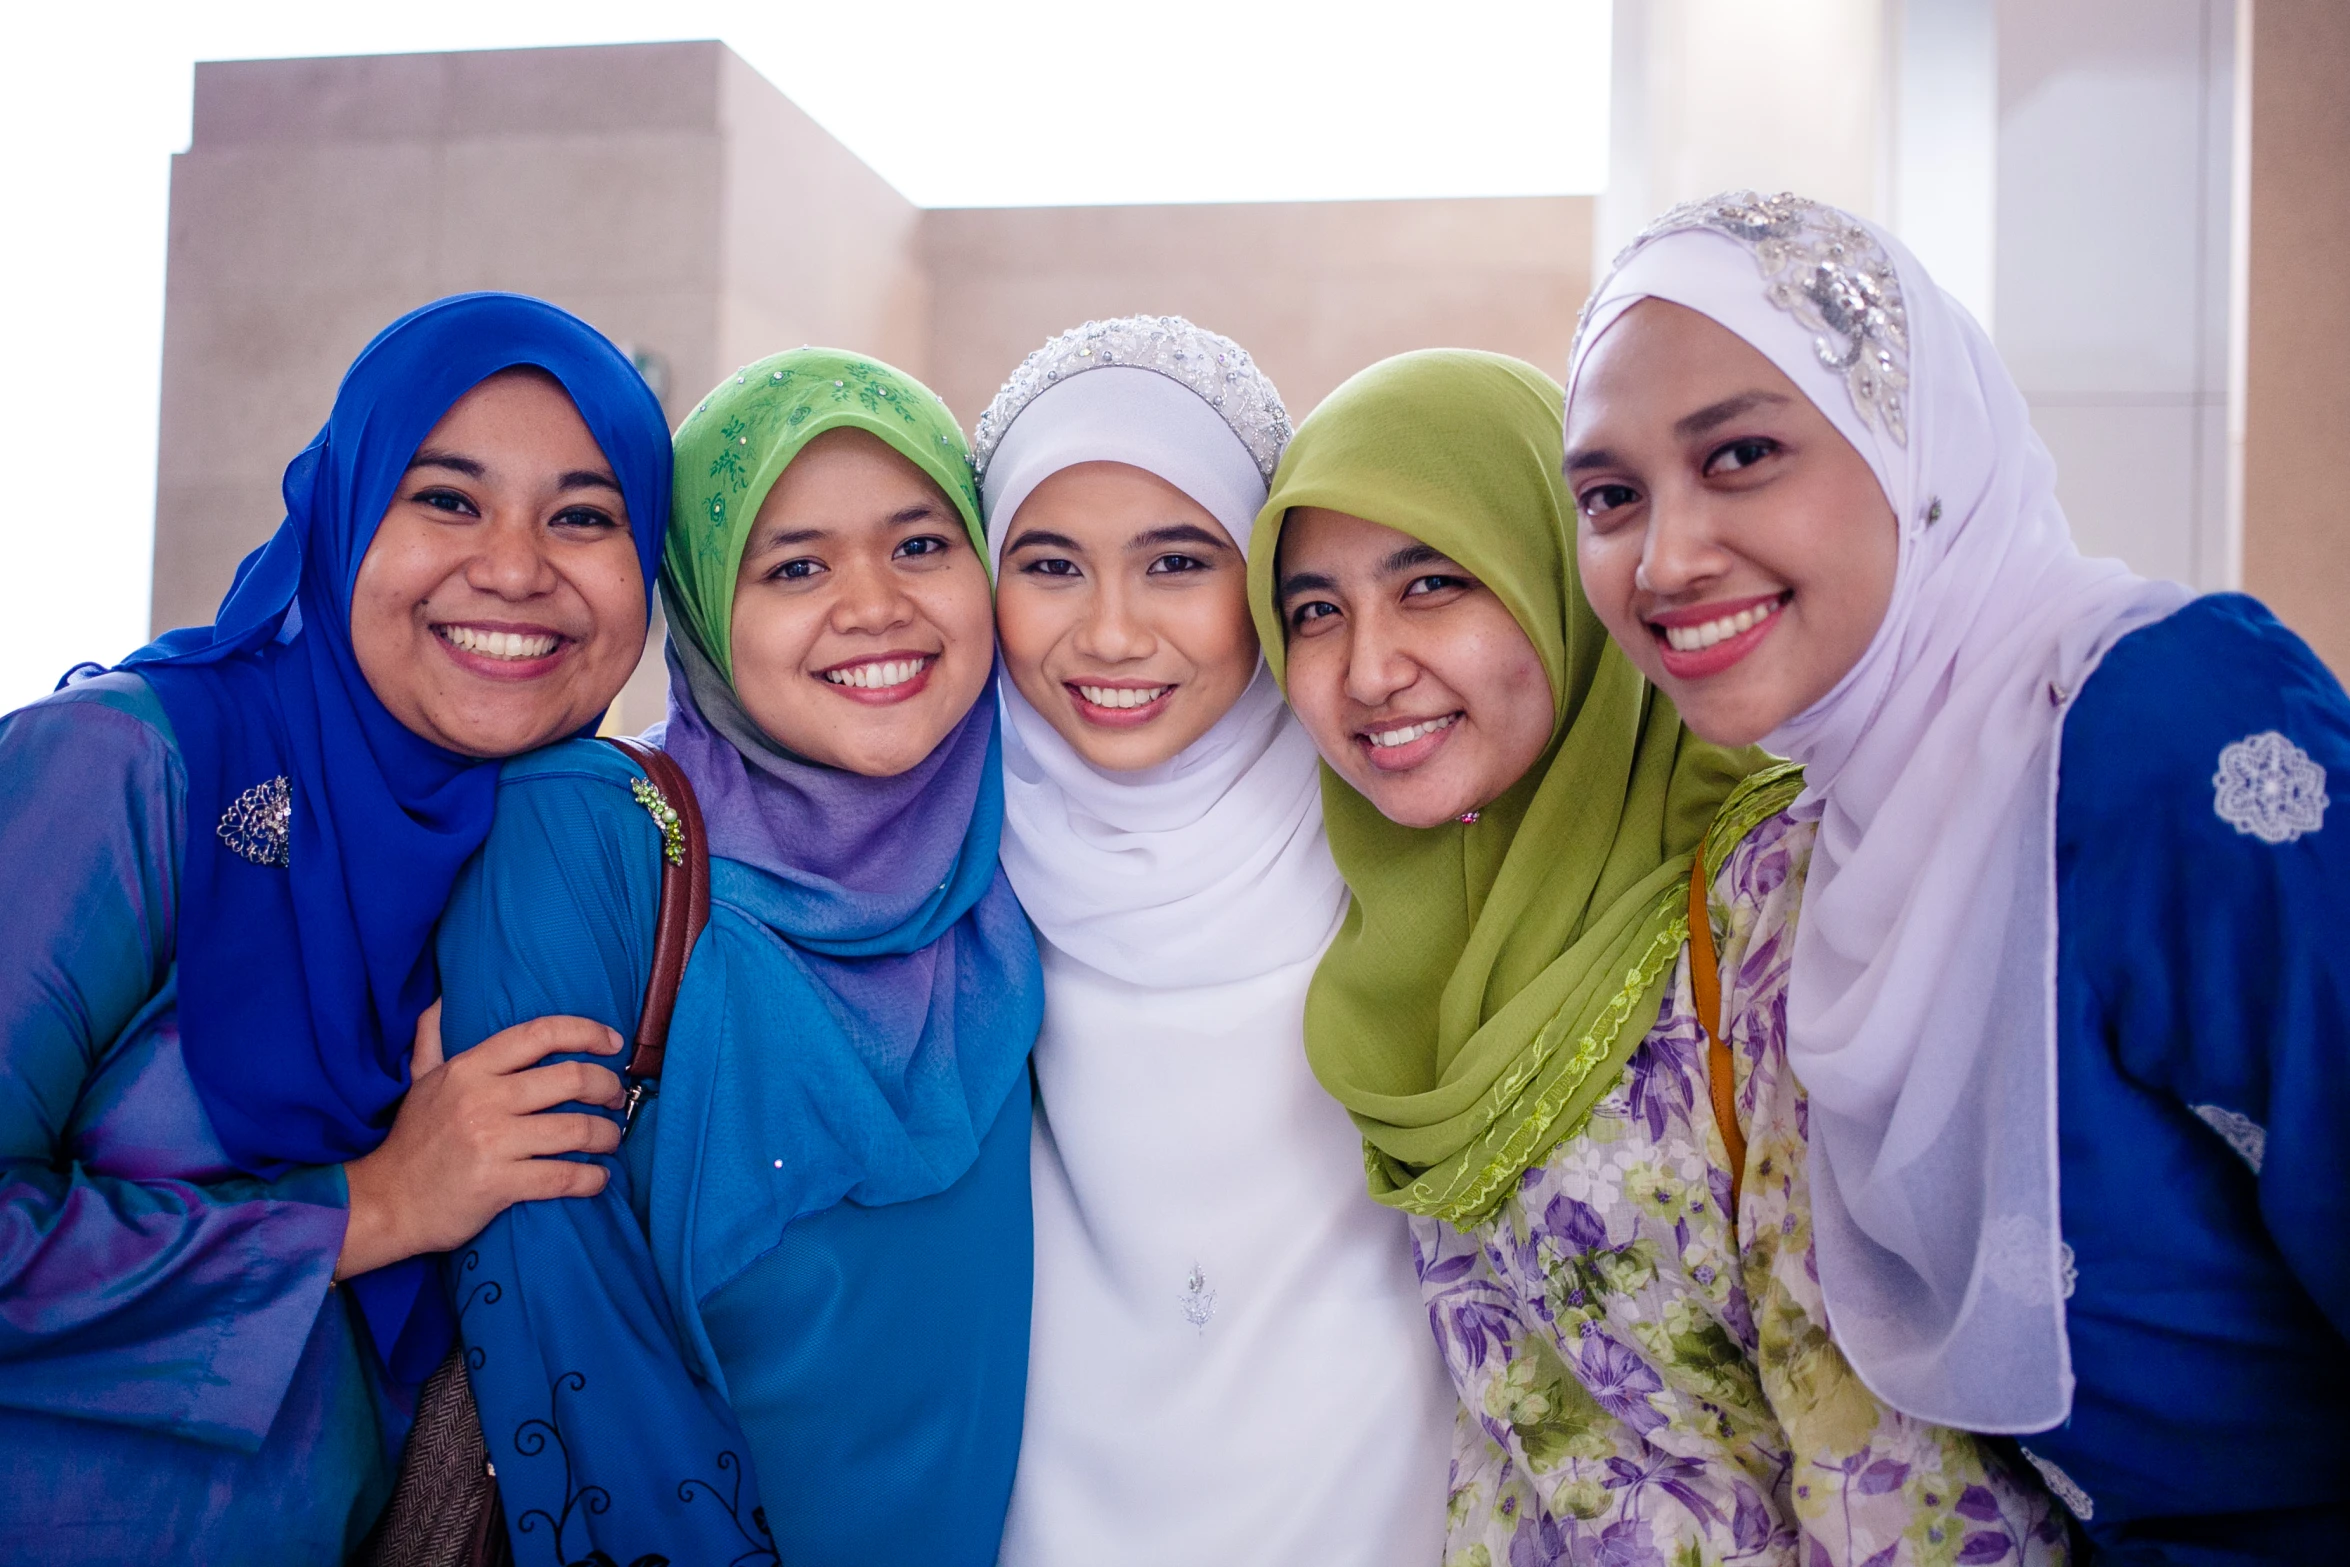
(540, 1179)
(541, 1136)
(525, 1044)
(425, 1055)
(564, 1082)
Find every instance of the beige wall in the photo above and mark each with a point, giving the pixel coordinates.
(1314, 291)
(2296, 336)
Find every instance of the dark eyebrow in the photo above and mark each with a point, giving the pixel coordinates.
(1715, 415)
(1039, 537)
(429, 457)
(918, 512)
(1179, 533)
(588, 479)
(1307, 582)
(1413, 555)
(1592, 457)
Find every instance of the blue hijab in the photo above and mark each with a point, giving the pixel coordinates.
(300, 984)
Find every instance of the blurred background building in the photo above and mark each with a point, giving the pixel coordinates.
(2147, 201)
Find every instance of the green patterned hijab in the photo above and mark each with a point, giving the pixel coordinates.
(1492, 978)
(733, 447)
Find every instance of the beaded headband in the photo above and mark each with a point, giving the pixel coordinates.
(1824, 268)
(1215, 367)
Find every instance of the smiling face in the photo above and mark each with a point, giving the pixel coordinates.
(501, 604)
(1415, 681)
(862, 631)
(1123, 613)
(1730, 538)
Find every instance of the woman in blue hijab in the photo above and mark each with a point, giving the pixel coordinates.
(222, 863)
(795, 1323)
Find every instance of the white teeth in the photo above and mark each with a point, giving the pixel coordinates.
(1122, 696)
(1389, 739)
(502, 644)
(1689, 639)
(879, 675)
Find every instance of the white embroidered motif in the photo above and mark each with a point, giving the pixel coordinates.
(2247, 1136)
(1198, 1301)
(2017, 1256)
(2069, 1267)
(2061, 1485)
(2268, 787)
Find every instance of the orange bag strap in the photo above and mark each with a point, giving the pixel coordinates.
(1705, 985)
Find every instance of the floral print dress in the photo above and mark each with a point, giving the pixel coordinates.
(1641, 1388)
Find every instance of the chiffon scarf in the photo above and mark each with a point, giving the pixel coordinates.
(300, 983)
(1492, 977)
(1921, 1007)
(1211, 866)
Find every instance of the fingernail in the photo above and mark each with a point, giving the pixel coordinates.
(613, 1035)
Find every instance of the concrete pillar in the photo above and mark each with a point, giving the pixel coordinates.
(2294, 376)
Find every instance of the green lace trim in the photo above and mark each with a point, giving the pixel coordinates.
(664, 816)
(1470, 1197)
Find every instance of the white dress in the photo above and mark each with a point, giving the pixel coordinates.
(1230, 1361)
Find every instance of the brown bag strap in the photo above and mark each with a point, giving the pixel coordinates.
(685, 899)
(1705, 985)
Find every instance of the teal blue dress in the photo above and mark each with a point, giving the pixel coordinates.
(751, 1346)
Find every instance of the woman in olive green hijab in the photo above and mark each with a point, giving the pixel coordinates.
(1612, 1228)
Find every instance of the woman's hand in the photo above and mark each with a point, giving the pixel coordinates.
(470, 1139)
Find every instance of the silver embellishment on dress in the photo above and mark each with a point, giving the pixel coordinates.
(1198, 1301)
(2068, 1269)
(1827, 271)
(2268, 787)
(2247, 1136)
(2061, 1486)
(1215, 367)
(259, 824)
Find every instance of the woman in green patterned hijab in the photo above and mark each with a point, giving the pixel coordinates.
(1610, 1212)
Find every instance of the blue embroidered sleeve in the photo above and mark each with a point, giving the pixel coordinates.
(568, 1332)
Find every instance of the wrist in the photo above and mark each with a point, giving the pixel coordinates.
(371, 1237)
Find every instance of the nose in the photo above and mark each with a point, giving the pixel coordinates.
(1678, 550)
(511, 560)
(1379, 662)
(1111, 631)
(870, 599)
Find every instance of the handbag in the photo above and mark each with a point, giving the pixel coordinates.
(445, 1510)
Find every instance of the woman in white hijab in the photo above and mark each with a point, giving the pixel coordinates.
(2068, 991)
(1229, 1361)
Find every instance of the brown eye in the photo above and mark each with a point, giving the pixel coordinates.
(1739, 454)
(1605, 498)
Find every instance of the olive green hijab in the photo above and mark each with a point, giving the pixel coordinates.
(739, 439)
(1492, 978)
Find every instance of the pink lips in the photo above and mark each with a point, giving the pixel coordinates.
(517, 670)
(1403, 758)
(1119, 717)
(1697, 663)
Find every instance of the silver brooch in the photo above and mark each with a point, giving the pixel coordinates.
(2269, 788)
(259, 824)
(1215, 367)
(2246, 1136)
(1829, 272)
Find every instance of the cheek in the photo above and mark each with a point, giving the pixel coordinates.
(770, 637)
(1027, 624)
(1607, 564)
(1317, 675)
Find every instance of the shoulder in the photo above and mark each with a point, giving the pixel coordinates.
(2215, 716)
(117, 707)
(571, 801)
(99, 738)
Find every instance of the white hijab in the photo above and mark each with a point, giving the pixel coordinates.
(1211, 866)
(1921, 1011)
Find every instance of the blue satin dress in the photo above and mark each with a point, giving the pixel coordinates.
(179, 1380)
(2203, 878)
(721, 1359)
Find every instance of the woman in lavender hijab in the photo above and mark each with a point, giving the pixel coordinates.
(795, 1323)
(1231, 1362)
